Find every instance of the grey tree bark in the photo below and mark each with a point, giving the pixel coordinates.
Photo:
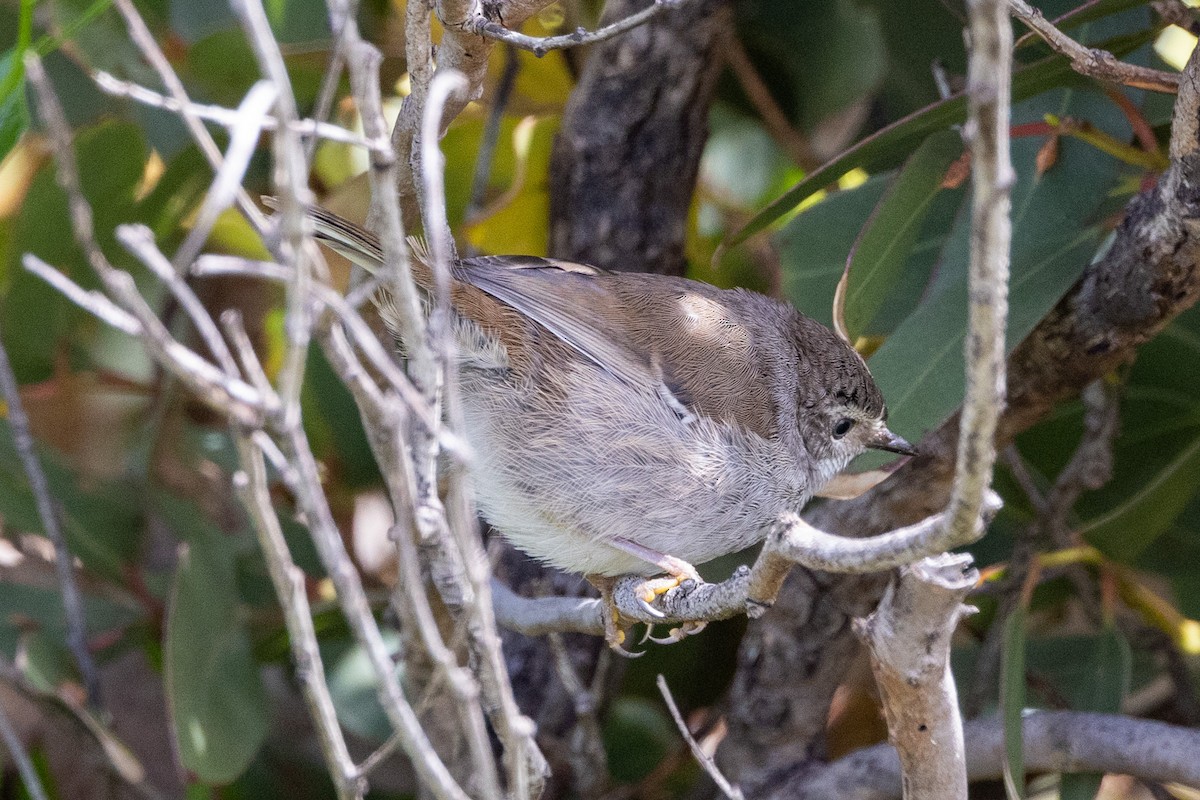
(625, 162)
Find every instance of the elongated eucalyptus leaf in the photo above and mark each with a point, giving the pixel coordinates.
(1157, 454)
(813, 247)
(887, 240)
(888, 146)
(1108, 663)
(1057, 225)
(1012, 702)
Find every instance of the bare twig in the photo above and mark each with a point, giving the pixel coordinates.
(139, 240)
(357, 610)
(749, 590)
(343, 21)
(989, 78)
(527, 768)
(251, 484)
(909, 637)
(64, 562)
(542, 615)
(16, 751)
(704, 759)
(295, 250)
(232, 396)
(144, 39)
(1053, 741)
(251, 119)
(539, 46)
(93, 302)
(356, 327)
(225, 117)
(777, 123)
(1089, 61)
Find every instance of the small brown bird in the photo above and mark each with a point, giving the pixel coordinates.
(626, 423)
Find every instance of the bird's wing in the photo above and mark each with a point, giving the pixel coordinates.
(566, 299)
(681, 339)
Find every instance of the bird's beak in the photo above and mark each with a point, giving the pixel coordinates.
(883, 439)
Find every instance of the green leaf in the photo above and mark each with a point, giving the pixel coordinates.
(1108, 665)
(1157, 454)
(813, 247)
(101, 520)
(1125, 531)
(887, 241)
(219, 707)
(1012, 702)
(886, 147)
(1057, 226)
(14, 110)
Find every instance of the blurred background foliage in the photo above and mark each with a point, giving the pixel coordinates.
(869, 171)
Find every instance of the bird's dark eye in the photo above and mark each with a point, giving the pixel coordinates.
(842, 427)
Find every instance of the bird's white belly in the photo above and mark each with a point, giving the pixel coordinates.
(560, 492)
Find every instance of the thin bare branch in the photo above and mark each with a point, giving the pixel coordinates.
(1089, 61)
(1053, 741)
(704, 759)
(296, 250)
(251, 119)
(64, 562)
(357, 611)
(527, 768)
(749, 590)
(225, 117)
(139, 240)
(343, 21)
(989, 79)
(243, 349)
(91, 301)
(17, 752)
(539, 46)
(542, 615)
(231, 396)
(144, 39)
(355, 326)
(288, 580)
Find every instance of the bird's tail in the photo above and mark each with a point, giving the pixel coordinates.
(359, 245)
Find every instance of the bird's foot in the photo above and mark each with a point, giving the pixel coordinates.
(617, 627)
(685, 629)
(679, 572)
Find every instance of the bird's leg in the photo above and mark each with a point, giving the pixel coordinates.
(678, 571)
(615, 628)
